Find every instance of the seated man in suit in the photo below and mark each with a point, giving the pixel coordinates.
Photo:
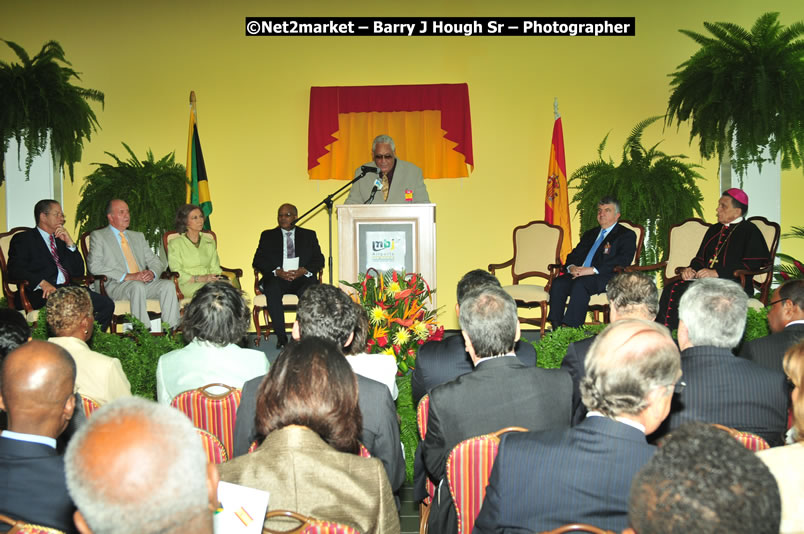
(786, 321)
(37, 392)
(591, 265)
(138, 466)
(631, 296)
(499, 393)
(327, 312)
(399, 182)
(542, 480)
(47, 258)
(441, 361)
(722, 388)
(131, 267)
(286, 242)
(704, 481)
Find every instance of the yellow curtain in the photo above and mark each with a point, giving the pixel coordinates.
(417, 135)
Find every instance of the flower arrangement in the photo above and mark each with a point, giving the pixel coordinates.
(398, 320)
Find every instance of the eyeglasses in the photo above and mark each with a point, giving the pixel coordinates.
(383, 156)
(679, 387)
(771, 303)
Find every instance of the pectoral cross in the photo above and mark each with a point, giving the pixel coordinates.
(713, 261)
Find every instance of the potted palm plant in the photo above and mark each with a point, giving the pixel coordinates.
(38, 101)
(643, 180)
(153, 190)
(746, 87)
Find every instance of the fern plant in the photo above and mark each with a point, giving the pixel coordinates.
(746, 86)
(790, 268)
(643, 182)
(153, 190)
(37, 100)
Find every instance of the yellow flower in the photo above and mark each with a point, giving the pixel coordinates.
(420, 330)
(376, 315)
(401, 337)
(389, 350)
(392, 289)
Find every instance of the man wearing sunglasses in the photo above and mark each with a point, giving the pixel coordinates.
(389, 180)
(786, 321)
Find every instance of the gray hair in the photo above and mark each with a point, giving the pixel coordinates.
(610, 200)
(632, 293)
(218, 314)
(714, 312)
(627, 361)
(383, 139)
(488, 316)
(176, 498)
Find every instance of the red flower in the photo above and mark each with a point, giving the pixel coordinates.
(403, 294)
(784, 275)
(411, 352)
(394, 277)
(420, 341)
(438, 335)
(382, 341)
(396, 349)
(370, 343)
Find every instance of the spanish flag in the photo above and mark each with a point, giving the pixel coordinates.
(556, 200)
(197, 185)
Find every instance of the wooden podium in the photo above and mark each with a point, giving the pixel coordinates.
(398, 236)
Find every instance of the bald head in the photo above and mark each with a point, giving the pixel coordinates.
(630, 364)
(139, 467)
(37, 388)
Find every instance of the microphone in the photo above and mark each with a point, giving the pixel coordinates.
(377, 186)
(368, 168)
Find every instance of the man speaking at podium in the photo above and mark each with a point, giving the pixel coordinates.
(388, 180)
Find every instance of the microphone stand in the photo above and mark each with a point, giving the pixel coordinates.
(328, 201)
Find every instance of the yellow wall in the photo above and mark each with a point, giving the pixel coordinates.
(253, 101)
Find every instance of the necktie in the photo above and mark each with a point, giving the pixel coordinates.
(55, 255)
(386, 186)
(132, 263)
(588, 261)
(291, 247)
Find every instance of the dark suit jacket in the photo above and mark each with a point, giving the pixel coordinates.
(380, 427)
(542, 480)
(269, 252)
(768, 351)
(621, 249)
(32, 485)
(499, 393)
(439, 362)
(29, 259)
(730, 391)
(573, 363)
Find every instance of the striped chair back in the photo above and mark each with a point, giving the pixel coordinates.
(216, 452)
(468, 470)
(89, 405)
(215, 413)
(422, 411)
(19, 527)
(308, 525)
(750, 441)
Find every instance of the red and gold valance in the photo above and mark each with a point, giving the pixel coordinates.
(431, 126)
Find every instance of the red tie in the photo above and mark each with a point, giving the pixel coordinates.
(55, 255)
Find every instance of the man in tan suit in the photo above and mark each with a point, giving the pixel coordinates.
(131, 267)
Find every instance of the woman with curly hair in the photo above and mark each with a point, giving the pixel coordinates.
(70, 319)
